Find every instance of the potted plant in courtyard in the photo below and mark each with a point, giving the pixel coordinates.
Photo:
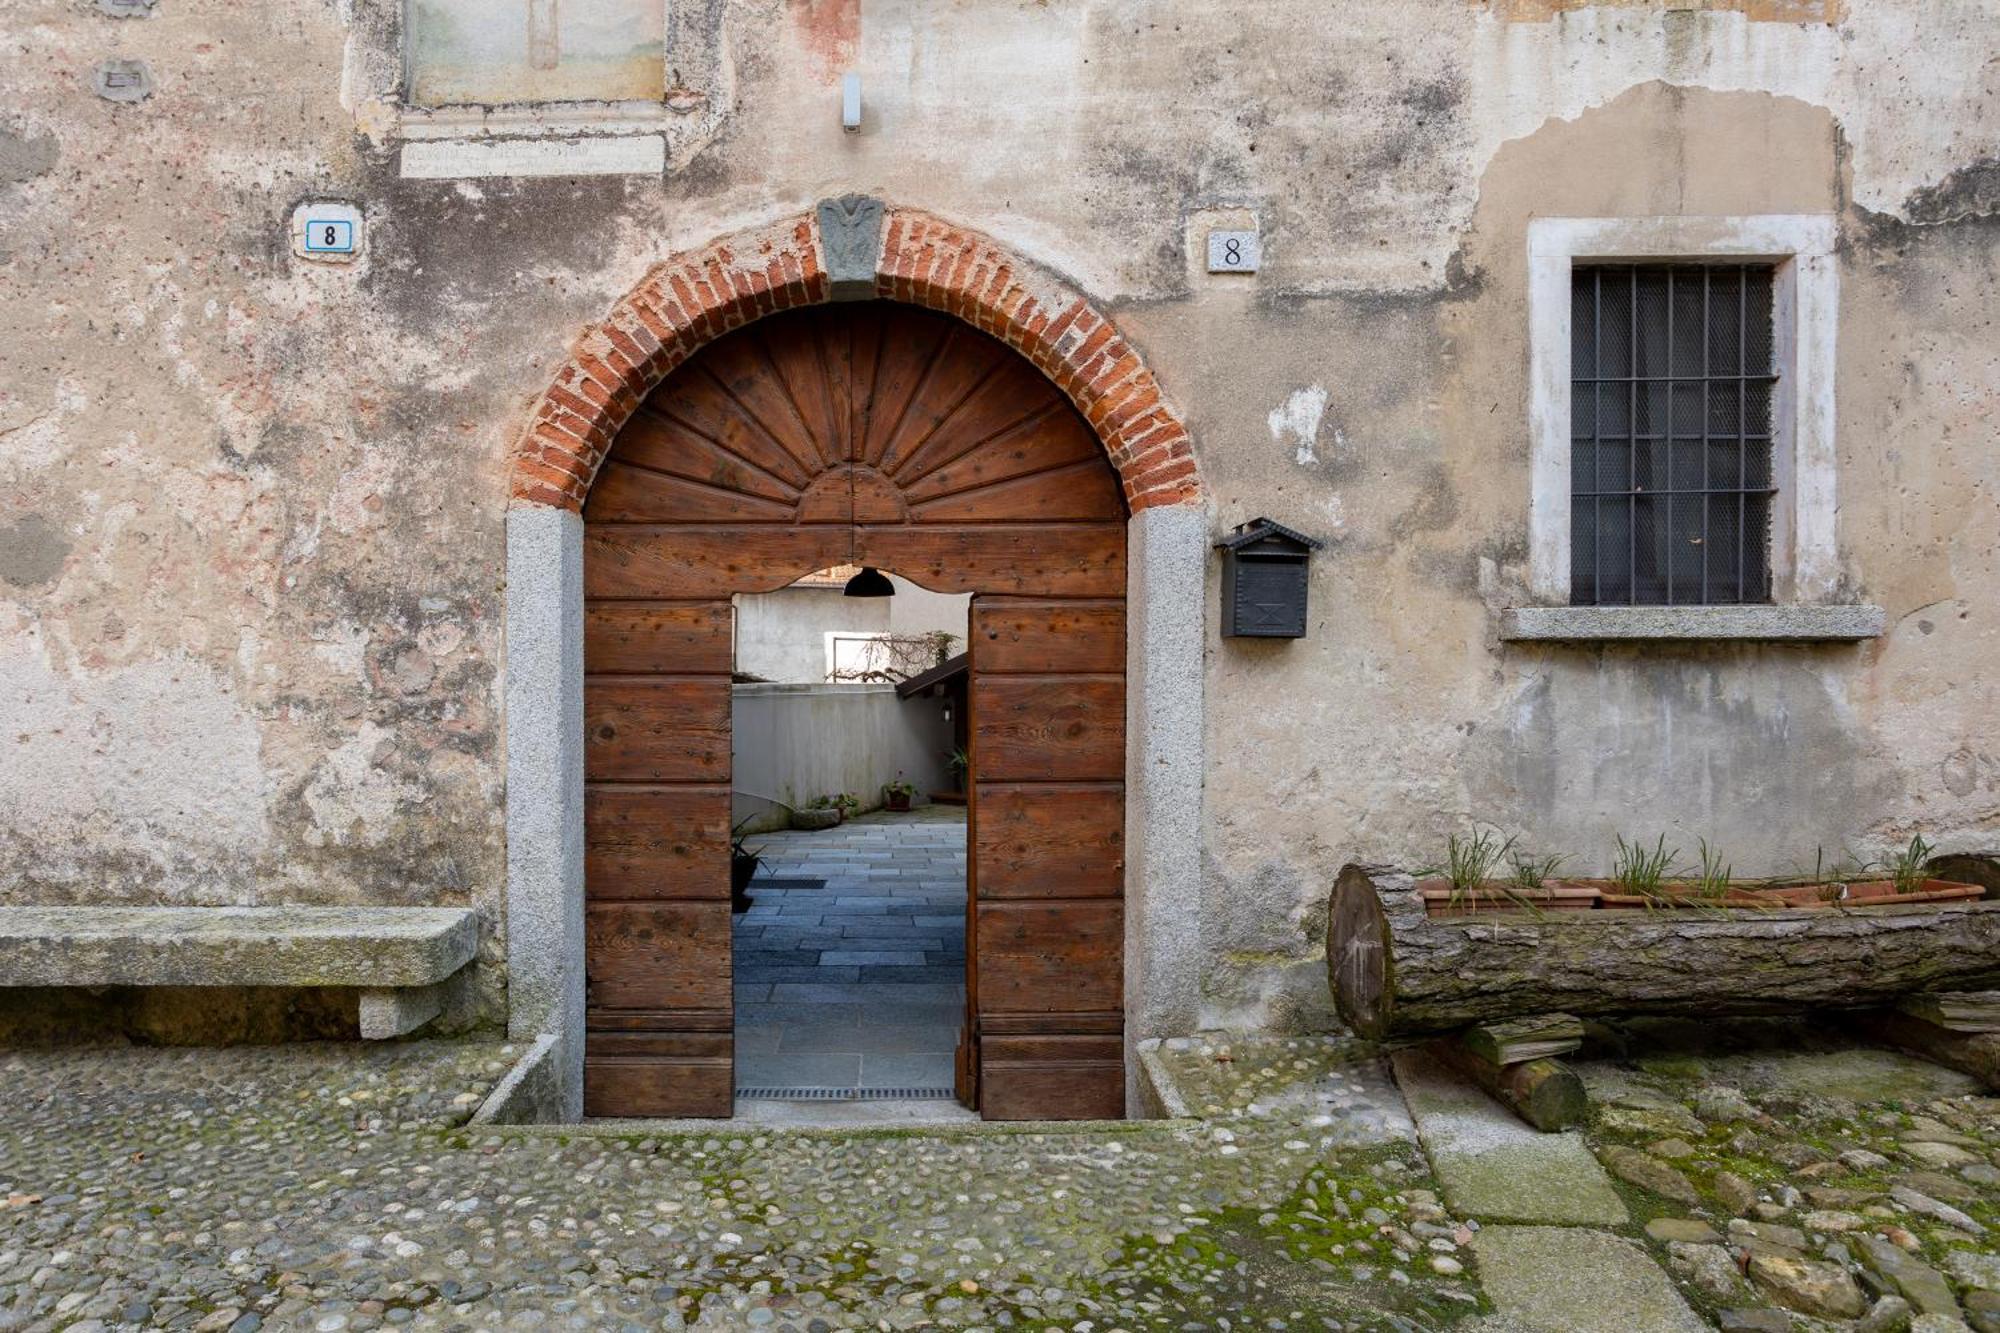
(743, 865)
(959, 762)
(896, 795)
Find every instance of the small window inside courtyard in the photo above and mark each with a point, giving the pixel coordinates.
(493, 52)
(1672, 379)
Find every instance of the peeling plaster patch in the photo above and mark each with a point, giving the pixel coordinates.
(1298, 421)
(830, 31)
(1934, 53)
(162, 752)
(32, 551)
(1757, 11)
(351, 796)
(1970, 192)
(37, 440)
(24, 156)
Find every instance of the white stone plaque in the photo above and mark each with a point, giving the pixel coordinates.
(1234, 252)
(625, 155)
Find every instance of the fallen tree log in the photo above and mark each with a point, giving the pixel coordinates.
(1396, 972)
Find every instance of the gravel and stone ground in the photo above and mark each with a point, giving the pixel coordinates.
(1791, 1182)
(335, 1187)
(1783, 1184)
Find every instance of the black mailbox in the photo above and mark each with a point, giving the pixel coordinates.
(1264, 566)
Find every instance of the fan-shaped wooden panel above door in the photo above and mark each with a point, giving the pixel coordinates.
(885, 435)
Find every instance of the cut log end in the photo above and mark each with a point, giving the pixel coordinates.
(1357, 953)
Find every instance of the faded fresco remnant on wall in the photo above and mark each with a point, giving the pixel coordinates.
(487, 51)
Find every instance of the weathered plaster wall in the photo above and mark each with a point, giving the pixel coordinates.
(250, 508)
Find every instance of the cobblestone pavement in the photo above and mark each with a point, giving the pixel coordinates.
(1788, 1180)
(332, 1187)
(1786, 1184)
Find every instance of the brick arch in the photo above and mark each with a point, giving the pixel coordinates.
(687, 301)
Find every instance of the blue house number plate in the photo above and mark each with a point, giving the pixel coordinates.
(329, 236)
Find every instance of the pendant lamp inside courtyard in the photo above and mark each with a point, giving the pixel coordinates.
(870, 582)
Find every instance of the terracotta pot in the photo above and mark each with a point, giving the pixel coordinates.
(1882, 893)
(1795, 897)
(1680, 896)
(897, 800)
(1497, 897)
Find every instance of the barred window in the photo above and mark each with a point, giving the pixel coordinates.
(1671, 379)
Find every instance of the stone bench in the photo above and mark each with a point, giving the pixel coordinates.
(401, 959)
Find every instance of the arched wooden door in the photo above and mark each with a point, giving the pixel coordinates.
(910, 441)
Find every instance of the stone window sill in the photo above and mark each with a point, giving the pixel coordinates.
(1587, 624)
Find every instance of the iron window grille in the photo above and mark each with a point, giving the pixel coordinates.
(1671, 381)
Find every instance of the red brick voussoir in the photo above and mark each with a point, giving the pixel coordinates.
(693, 298)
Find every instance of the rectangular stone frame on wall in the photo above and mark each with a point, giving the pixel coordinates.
(1805, 564)
(1164, 746)
(544, 725)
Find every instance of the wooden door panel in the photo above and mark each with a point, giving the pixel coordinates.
(624, 494)
(1053, 957)
(963, 363)
(1061, 729)
(1038, 841)
(696, 403)
(671, 955)
(666, 446)
(653, 730)
(623, 561)
(678, 638)
(1022, 1077)
(693, 1076)
(643, 560)
(1014, 396)
(656, 842)
(746, 370)
(1048, 441)
(1018, 636)
(1079, 492)
(897, 369)
(1048, 560)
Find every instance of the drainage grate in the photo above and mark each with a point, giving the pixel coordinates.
(779, 882)
(846, 1094)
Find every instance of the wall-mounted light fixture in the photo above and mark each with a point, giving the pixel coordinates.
(850, 103)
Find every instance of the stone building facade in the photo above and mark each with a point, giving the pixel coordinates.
(282, 540)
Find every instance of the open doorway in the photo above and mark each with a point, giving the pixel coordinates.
(848, 749)
(889, 437)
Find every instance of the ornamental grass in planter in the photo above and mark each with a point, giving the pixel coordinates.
(1467, 883)
(1650, 879)
(1640, 881)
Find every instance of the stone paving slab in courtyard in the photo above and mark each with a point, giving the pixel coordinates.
(1495, 1167)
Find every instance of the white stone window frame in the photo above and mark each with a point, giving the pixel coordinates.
(540, 138)
(1804, 556)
